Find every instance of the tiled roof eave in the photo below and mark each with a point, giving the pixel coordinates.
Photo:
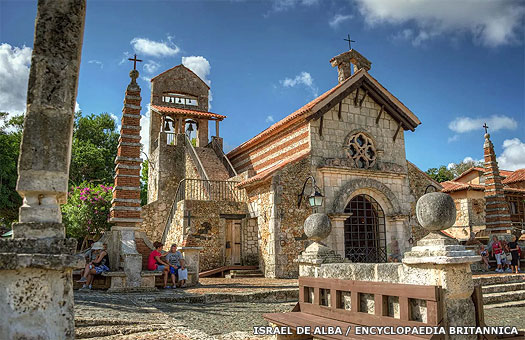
(173, 110)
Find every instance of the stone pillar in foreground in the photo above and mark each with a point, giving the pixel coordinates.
(125, 206)
(317, 227)
(36, 290)
(443, 262)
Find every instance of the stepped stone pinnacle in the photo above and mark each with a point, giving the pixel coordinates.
(125, 206)
(497, 215)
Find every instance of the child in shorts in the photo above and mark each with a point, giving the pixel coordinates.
(183, 273)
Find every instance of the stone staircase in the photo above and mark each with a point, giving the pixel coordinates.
(238, 273)
(212, 164)
(502, 290)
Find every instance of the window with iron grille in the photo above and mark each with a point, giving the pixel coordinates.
(365, 232)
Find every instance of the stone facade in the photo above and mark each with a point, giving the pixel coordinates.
(349, 139)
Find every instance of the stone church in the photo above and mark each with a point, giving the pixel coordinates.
(241, 208)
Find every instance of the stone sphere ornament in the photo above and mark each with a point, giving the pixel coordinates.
(436, 211)
(317, 227)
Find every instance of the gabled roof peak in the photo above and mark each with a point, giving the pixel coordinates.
(180, 66)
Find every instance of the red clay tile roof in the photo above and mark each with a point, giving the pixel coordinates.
(174, 110)
(474, 168)
(516, 176)
(506, 173)
(451, 186)
(158, 75)
(268, 172)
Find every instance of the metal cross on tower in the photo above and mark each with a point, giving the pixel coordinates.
(350, 41)
(486, 127)
(134, 60)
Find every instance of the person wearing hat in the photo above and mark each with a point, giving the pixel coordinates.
(97, 266)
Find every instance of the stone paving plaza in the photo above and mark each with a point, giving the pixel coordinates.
(182, 314)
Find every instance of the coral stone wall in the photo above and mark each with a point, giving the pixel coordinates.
(202, 224)
(419, 181)
(260, 202)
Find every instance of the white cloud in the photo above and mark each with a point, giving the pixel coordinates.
(269, 119)
(513, 156)
(283, 5)
(490, 23)
(199, 65)
(96, 62)
(14, 74)
(303, 78)
(77, 107)
(117, 121)
(453, 138)
(152, 48)
(151, 66)
(495, 123)
(339, 19)
(125, 57)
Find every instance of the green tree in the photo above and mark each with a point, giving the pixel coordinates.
(87, 210)
(10, 138)
(144, 183)
(440, 174)
(95, 142)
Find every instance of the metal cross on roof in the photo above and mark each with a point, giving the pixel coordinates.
(134, 60)
(350, 41)
(486, 127)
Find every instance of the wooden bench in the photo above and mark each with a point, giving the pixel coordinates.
(337, 303)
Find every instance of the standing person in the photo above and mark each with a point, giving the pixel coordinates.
(183, 273)
(496, 251)
(155, 263)
(513, 247)
(97, 266)
(173, 257)
(484, 257)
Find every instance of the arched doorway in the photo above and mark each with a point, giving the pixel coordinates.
(365, 233)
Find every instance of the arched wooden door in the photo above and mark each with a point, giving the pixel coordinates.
(365, 232)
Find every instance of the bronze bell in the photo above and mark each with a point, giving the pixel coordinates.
(190, 128)
(167, 125)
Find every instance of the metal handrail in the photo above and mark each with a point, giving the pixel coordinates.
(203, 190)
(222, 156)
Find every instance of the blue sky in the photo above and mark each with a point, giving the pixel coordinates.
(455, 64)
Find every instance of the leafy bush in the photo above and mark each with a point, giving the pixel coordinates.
(87, 210)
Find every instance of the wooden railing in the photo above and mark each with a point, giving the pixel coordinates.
(225, 161)
(340, 300)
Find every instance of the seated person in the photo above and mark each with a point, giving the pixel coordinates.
(173, 258)
(97, 266)
(155, 263)
(183, 273)
(89, 254)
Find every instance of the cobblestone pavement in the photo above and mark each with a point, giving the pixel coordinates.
(102, 315)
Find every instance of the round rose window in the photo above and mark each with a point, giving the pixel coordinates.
(361, 150)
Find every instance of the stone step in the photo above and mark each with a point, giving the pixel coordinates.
(99, 331)
(498, 278)
(505, 304)
(505, 287)
(236, 276)
(212, 164)
(245, 271)
(490, 298)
